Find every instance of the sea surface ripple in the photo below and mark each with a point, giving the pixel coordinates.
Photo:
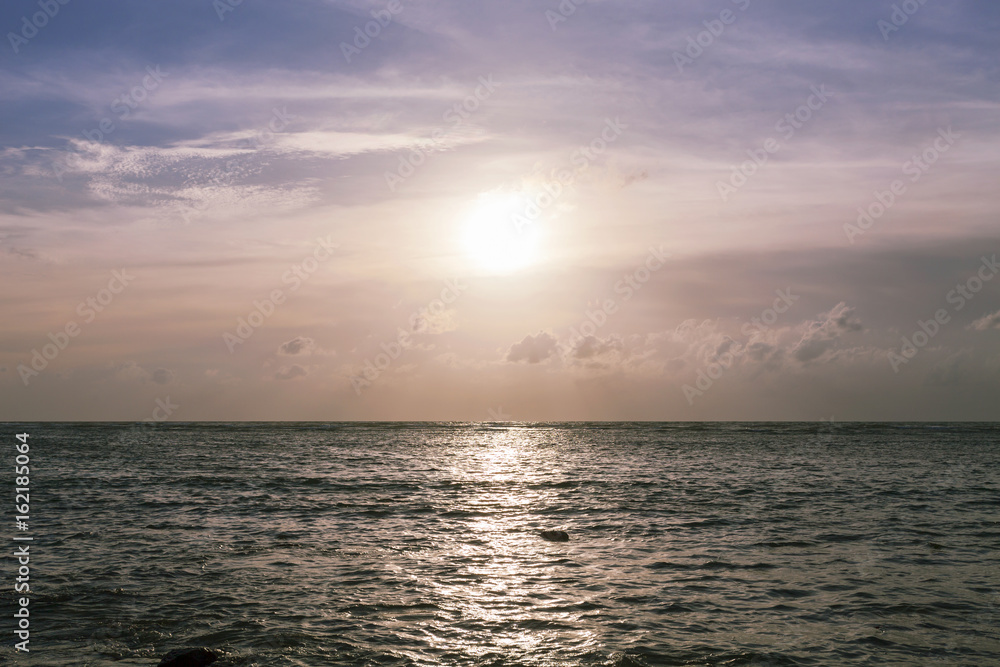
(417, 544)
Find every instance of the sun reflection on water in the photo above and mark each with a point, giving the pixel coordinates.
(505, 580)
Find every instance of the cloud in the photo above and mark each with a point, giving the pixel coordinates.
(987, 322)
(297, 346)
(822, 334)
(173, 177)
(701, 342)
(21, 253)
(628, 178)
(533, 349)
(777, 349)
(427, 322)
(764, 353)
(162, 376)
(291, 372)
(130, 370)
(592, 346)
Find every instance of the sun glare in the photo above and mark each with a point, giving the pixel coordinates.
(499, 235)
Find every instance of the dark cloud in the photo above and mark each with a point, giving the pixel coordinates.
(533, 349)
(592, 346)
(296, 346)
(764, 353)
(725, 346)
(823, 333)
(162, 376)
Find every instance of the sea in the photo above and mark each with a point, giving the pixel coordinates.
(406, 544)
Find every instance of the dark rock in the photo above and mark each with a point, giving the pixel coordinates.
(555, 536)
(189, 657)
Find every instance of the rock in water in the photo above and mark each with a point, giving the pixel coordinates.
(189, 657)
(555, 536)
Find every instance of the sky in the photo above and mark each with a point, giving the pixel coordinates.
(499, 210)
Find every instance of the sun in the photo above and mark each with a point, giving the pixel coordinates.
(500, 235)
